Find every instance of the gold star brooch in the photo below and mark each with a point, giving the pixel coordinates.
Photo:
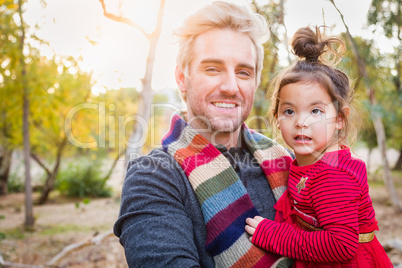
(302, 184)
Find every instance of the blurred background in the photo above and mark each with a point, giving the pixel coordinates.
(86, 85)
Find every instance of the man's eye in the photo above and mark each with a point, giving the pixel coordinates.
(244, 73)
(288, 112)
(316, 111)
(211, 69)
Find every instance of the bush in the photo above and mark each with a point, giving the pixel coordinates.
(15, 183)
(82, 179)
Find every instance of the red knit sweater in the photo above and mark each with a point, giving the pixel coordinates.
(336, 198)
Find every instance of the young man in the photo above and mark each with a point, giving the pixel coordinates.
(185, 205)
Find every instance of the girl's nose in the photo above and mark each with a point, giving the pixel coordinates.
(301, 122)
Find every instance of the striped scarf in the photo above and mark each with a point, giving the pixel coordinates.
(224, 200)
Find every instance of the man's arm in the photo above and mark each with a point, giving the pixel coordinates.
(153, 225)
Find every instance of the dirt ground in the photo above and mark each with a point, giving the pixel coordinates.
(57, 225)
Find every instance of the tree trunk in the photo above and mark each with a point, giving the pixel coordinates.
(376, 117)
(51, 175)
(29, 218)
(5, 163)
(370, 150)
(398, 51)
(258, 113)
(134, 146)
(113, 166)
(144, 106)
(398, 165)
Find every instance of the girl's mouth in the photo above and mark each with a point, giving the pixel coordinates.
(302, 139)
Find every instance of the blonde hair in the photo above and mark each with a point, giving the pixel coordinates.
(317, 57)
(221, 15)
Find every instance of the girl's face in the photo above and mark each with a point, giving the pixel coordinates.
(307, 119)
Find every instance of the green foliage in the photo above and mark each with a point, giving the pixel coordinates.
(273, 12)
(385, 14)
(82, 179)
(388, 107)
(10, 55)
(15, 183)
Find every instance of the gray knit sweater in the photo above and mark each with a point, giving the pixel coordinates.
(161, 223)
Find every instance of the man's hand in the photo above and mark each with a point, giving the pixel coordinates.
(251, 225)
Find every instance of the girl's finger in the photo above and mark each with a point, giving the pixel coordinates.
(249, 229)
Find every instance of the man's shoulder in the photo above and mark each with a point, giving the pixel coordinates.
(156, 168)
(157, 157)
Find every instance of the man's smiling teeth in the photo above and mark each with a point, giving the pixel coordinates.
(224, 105)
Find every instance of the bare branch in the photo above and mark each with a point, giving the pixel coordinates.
(122, 19)
(159, 18)
(40, 163)
(61, 255)
(113, 165)
(76, 246)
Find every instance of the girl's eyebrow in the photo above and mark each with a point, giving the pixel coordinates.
(318, 102)
(286, 103)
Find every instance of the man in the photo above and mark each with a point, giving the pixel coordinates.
(184, 205)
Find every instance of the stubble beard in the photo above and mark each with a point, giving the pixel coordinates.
(202, 120)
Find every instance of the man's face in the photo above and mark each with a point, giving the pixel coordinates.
(221, 82)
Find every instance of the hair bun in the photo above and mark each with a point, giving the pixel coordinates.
(312, 46)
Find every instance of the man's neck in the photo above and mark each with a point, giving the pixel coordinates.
(227, 139)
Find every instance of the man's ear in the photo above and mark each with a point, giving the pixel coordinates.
(340, 122)
(180, 80)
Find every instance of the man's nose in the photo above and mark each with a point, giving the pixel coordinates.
(229, 84)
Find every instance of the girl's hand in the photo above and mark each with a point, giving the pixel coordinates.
(251, 225)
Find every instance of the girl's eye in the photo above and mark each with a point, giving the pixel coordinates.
(288, 112)
(316, 111)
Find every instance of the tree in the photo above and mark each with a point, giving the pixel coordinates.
(29, 218)
(10, 107)
(378, 66)
(146, 95)
(273, 12)
(376, 117)
(119, 104)
(59, 89)
(386, 15)
(49, 89)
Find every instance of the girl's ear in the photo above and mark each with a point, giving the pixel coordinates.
(340, 122)
(180, 80)
(277, 122)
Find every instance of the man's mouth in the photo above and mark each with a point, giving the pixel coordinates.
(224, 105)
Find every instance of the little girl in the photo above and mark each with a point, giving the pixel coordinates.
(325, 218)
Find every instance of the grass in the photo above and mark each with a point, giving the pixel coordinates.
(19, 233)
(62, 229)
(375, 179)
